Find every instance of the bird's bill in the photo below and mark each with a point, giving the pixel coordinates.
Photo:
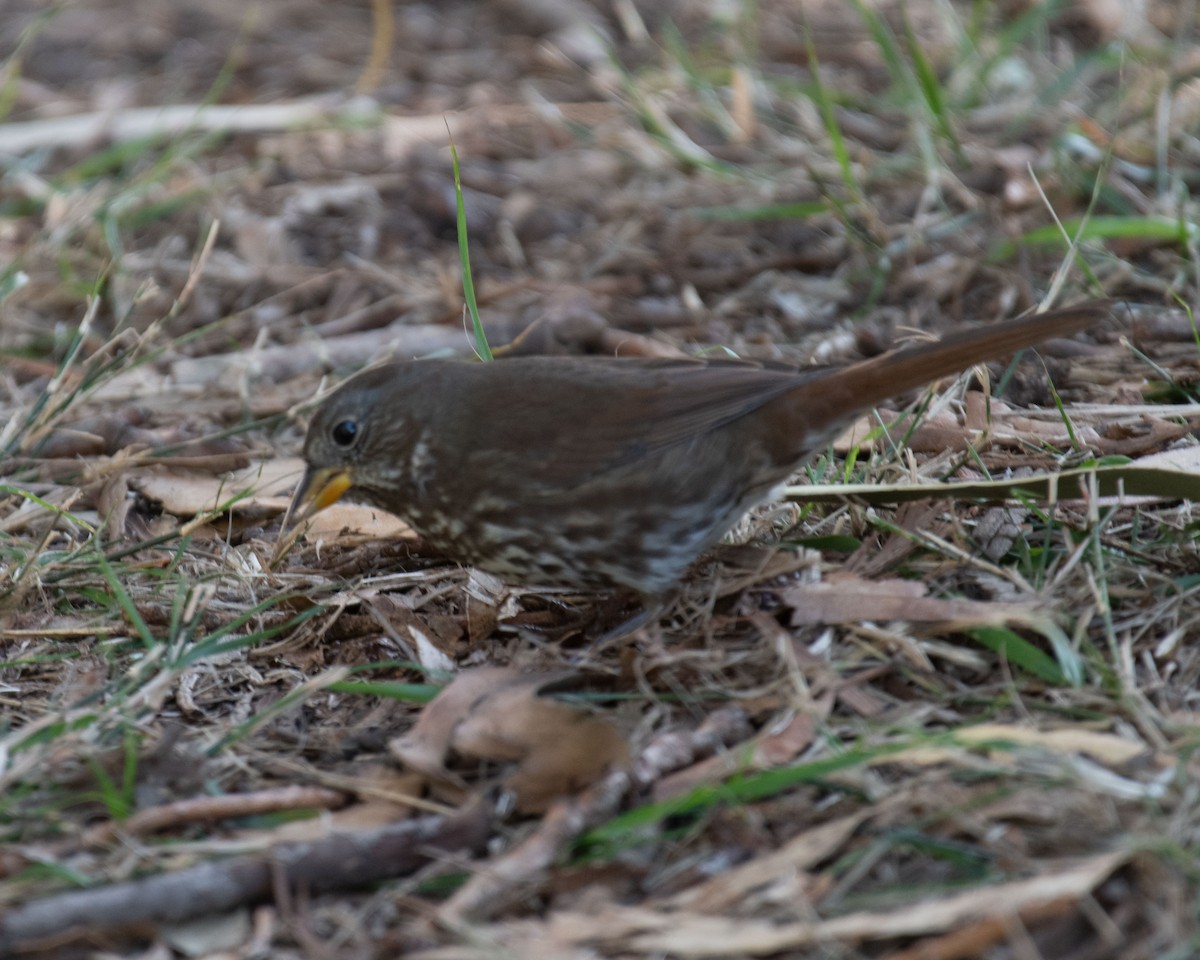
(318, 489)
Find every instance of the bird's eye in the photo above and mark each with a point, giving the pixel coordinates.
(345, 433)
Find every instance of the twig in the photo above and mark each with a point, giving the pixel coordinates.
(343, 861)
(196, 809)
(18, 138)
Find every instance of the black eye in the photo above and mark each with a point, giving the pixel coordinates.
(345, 432)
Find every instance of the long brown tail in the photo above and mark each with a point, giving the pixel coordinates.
(864, 385)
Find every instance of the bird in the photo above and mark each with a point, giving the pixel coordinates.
(603, 473)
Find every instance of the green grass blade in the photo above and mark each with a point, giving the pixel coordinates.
(464, 256)
(837, 142)
(1019, 651)
(1113, 227)
(404, 692)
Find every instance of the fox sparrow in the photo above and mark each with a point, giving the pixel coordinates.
(600, 472)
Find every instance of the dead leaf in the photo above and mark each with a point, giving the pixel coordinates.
(496, 713)
(113, 505)
(211, 935)
(691, 934)
(263, 489)
(484, 594)
(425, 746)
(998, 529)
(846, 598)
(560, 749)
(800, 854)
(1105, 747)
(428, 654)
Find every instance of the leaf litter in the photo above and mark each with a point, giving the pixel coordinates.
(943, 752)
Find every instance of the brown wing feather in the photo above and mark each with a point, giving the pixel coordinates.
(675, 402)
(620, 410)
(616, 413)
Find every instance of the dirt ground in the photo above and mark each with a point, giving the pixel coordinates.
(895, 719)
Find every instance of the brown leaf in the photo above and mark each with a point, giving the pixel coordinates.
(496, 713)
(845, 598)
(262, 489)
(789, 865)
(559, 749)
(425, 746)
(639, 930)
(113, 505)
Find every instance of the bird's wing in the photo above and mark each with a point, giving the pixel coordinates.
(614, 413)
